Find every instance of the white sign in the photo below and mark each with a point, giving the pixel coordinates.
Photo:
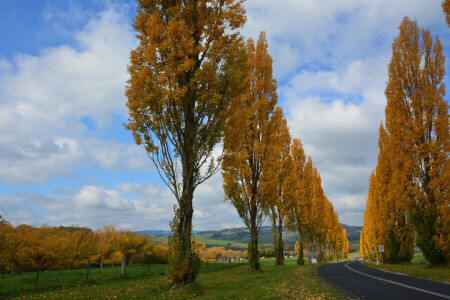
(314, 261)
(381, 248)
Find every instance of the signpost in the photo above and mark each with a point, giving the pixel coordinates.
(381, 250)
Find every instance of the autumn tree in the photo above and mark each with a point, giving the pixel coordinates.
(129, 244)
(39, 247)
(446, 8)
(417, 121)
(247, 137)
(9, 245)
(316, 224)
(298, 205)
(107, 243)
(184, 75)
(147, 252)
(274, 183)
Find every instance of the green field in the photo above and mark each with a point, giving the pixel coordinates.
(215, 281)
(215, 242)
(418, 267)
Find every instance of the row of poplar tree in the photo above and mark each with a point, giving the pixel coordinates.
(195, 83)
(408, 198)
(266, 172)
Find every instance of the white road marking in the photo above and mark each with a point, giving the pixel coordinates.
(397, 283)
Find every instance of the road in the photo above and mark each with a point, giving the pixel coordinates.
(360, 281)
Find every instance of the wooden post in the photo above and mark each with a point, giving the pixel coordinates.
(37, 274)
(124, 265)
(87, 270)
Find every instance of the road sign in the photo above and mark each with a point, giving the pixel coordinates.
(381, 248)
(373, 251)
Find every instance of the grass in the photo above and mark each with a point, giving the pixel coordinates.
(214, 242)
(215, 281)
(418, 267)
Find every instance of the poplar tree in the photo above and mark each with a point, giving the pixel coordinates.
(184, 74)
(274, 183)
(247, 137)
(298, 200)
(417, 120)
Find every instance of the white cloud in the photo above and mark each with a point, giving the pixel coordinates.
(336, 113)
(326, 33)
(95, 197)
(44, 98)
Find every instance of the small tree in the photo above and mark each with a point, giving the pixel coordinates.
(39, 247)
(130, 244)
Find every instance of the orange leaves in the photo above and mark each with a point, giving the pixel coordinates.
(410, 182)
(52, 248)
(446, 8)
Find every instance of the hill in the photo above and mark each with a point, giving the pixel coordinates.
(239, 237)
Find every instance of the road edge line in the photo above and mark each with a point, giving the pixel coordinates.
(397, 283)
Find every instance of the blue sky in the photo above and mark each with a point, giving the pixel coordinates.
(65, 158)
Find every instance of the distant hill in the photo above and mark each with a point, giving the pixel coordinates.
(241, 235)
(353, 232)
(157, 233)
(154, 233)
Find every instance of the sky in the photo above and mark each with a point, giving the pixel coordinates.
(66, 159)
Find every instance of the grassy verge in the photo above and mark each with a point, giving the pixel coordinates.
(218, 281)
(418, 267)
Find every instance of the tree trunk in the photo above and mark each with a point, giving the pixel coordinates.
(124, 265)
(254, 262)
(13, 269)
(101, 265)
(37, 274)
(280, 247)
(302, 260)
(68, 266)
(87, 269)
(275, 236)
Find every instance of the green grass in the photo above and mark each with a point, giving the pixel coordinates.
(214, 242)
(215, 281)
(418, 267)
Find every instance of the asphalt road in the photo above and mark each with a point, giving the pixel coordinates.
(362, 282)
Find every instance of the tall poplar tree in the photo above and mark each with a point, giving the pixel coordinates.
(417, 120)
(298, 200)
(274, 183)
(185, 72)
(247, 137)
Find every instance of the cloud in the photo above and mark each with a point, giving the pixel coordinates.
(336, 113)
(45, 98)
(326, 33)
(95, 197)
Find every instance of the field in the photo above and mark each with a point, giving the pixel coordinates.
(418, 267)
(215, 281)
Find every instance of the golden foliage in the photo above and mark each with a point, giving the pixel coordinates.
(247, 136)
(410, 186)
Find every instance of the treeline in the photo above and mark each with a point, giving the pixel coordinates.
(266, 172)
(408, 198)
(27, 248)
